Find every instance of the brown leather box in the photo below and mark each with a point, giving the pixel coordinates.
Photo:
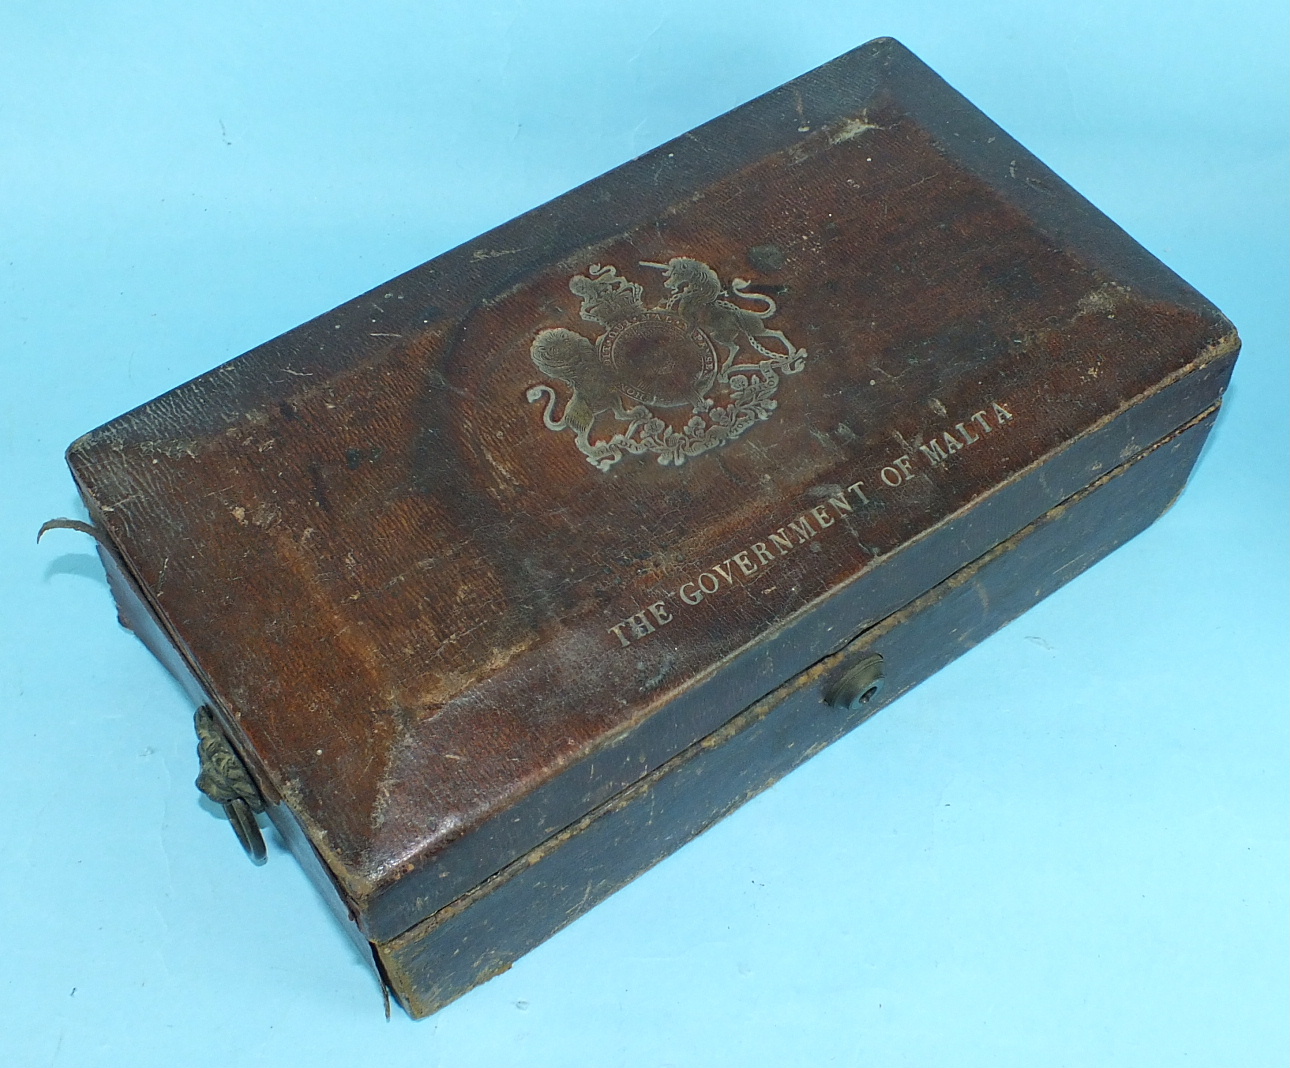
(501, 581)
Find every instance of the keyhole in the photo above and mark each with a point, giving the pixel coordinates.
(859, 684)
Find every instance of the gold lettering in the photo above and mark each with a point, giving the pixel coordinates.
(933, 452)
(809, 525)
(855, 488)
(801, 526)
(723, 569)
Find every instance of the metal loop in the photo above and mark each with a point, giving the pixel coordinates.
(224, 779)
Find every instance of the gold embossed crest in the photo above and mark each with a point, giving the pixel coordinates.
(698, 349)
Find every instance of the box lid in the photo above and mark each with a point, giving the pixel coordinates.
(467, 555)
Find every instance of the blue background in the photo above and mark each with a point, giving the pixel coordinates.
(1068, 848)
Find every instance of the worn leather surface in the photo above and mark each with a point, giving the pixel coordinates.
(484, 932)
(400, 587)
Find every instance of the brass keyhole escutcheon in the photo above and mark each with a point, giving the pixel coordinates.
(859, 685)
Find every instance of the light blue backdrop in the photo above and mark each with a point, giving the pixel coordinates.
(1068, 848)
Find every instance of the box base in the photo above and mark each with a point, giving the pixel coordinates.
(483, 932)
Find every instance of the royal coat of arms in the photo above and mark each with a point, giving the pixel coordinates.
(698, 349)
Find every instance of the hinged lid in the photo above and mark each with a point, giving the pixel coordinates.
(471, 553)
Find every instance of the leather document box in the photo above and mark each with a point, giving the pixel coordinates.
(499, 582)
